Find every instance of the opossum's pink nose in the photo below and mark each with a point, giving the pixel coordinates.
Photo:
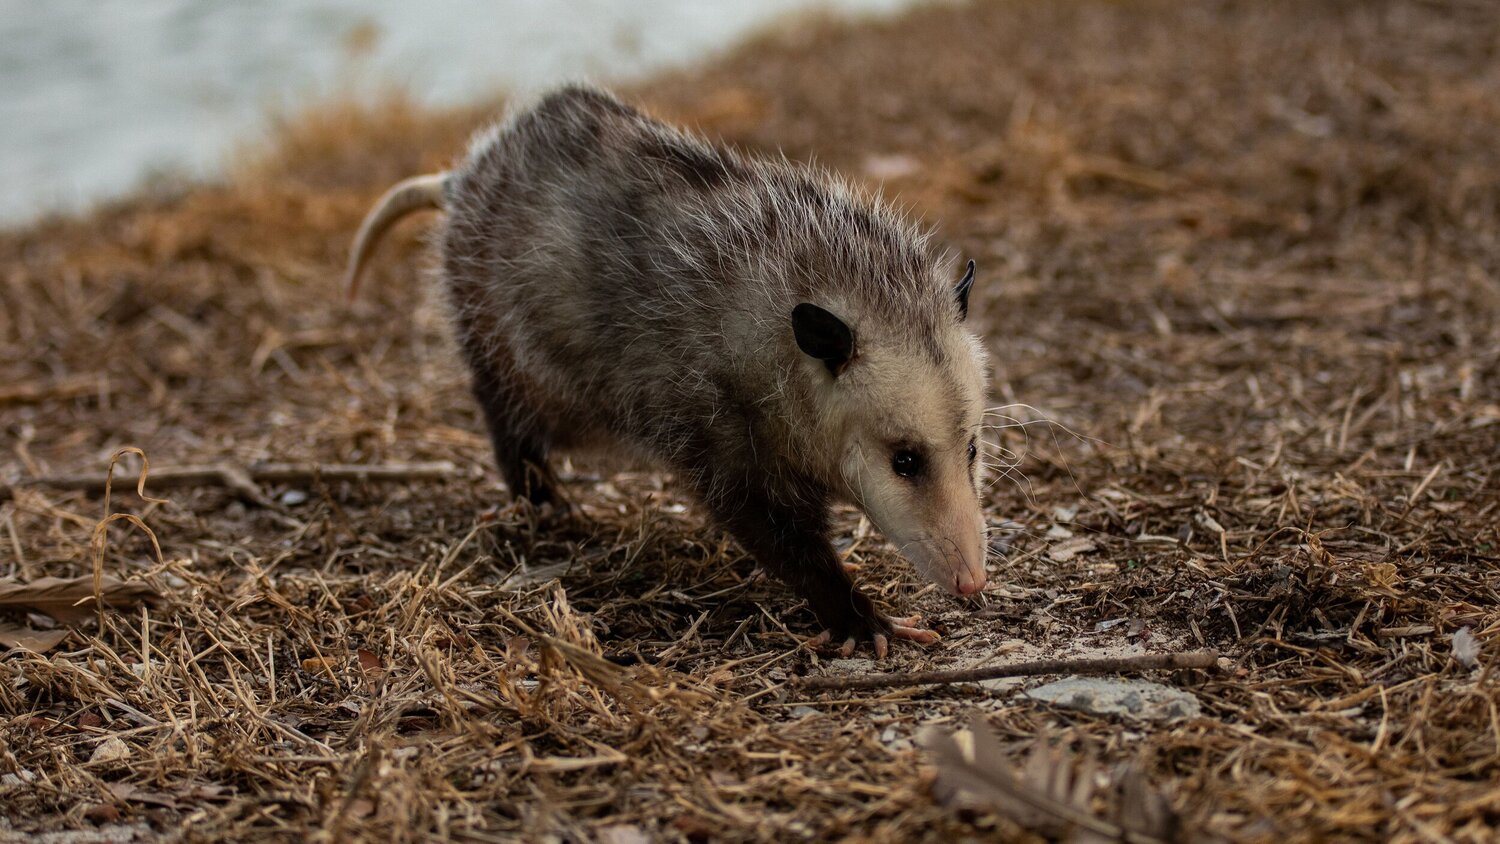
(970, 581)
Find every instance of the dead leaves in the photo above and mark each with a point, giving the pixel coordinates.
(66, 600)
(19, 636)
(72, 599)
(193, 793)
(371, 667)
(370, 664)
(1054, 792)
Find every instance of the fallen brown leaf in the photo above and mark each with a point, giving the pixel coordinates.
(40, 641)
(370, 663)
(73, 599)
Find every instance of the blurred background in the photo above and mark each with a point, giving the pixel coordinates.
(94, 97)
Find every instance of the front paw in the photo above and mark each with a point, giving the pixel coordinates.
(878, 630)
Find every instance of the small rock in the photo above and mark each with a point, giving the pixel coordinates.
(1466, 648)
(1139, 699)
(110, 750)
(623, 833)
(293, 497)
(21, 777)
(855, 665)
(1003, 684)
(895, 741)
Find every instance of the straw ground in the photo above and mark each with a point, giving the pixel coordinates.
(1240, 278)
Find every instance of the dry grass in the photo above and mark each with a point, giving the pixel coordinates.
(1248, 252)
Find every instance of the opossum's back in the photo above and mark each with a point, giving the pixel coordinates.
(582, 196)
(606, 252)
(569, 255)
(524, 182)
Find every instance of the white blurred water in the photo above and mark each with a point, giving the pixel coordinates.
(96, 94)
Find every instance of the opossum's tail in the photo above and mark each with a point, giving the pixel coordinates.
(418, 193)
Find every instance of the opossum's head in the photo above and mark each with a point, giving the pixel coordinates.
(902, 399)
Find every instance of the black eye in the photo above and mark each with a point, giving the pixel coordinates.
(907, 463)
(973, 452)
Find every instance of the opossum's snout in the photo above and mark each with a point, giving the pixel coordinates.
(950, 552)
(954, 562)
(925, 502)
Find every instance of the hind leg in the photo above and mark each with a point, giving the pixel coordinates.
(521, 444)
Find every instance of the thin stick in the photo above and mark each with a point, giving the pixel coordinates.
(66, 388)
(244, 480)
(1117, 665)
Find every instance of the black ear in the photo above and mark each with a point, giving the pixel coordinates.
(962, 292)
(824, 336)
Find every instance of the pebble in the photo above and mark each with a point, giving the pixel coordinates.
(1137, 699)
(110, 750)
(853, 665)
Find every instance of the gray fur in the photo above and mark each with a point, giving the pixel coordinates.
(619, 283)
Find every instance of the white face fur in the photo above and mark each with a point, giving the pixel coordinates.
(909, 431)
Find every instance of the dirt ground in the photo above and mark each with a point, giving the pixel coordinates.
(1239, 273)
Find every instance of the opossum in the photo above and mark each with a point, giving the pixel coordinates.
(774, 336)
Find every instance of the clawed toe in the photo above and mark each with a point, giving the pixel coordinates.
(899, 628)
(906, 628)
(921, 636)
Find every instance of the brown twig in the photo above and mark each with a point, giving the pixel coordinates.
(1113, 665)
(66, 388)
(245, 480)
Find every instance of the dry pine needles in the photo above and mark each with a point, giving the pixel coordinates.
(1241, 298)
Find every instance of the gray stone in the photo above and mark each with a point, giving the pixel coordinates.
(852, 665)
(1136, 699)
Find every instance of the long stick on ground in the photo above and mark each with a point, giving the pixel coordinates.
(244, 479)
(1117, 665)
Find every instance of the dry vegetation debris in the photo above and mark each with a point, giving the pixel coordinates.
(1241, 274)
